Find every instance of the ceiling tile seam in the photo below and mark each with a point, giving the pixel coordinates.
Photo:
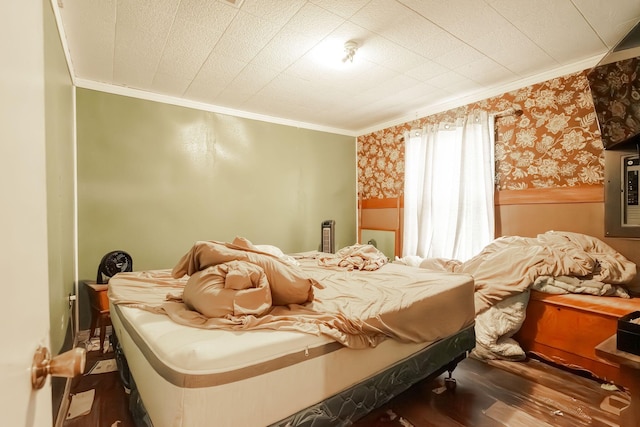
(263, 86)
(350, 16)
(519, 75)
(527, 36)
(434, 58)
(258, 91)
(247, 64)
(589, 23)
(186, 90)
(166, 42)
(382, 36)
(450, 33)
(109, 88)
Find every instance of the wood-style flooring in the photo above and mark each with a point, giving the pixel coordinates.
(502, 393)
(496, 393)
(111, 403)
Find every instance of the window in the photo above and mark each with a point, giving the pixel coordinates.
(449, 188)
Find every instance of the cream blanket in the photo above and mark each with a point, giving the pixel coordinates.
(505, 270)
(234, 288)
(510, 265)
(356, 308)
(289, 285)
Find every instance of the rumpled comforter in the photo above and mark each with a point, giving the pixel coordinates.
(510, 265)
(506, 269)
(235, 288)
(358, 257)
(357, 309)
(289, 285)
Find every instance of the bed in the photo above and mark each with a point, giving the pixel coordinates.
(507, 270)
(363, 332)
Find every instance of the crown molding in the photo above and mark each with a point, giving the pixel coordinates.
(151, 96)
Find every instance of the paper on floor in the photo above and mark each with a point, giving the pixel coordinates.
(81, 403)
(104, 366)
(93, 344)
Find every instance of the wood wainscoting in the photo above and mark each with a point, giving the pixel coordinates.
(583, 194)
(527, 213)
(534, 211)
(382, 215)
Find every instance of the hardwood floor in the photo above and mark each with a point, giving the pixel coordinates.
(497, 393)
(501, 393)
(110, 406)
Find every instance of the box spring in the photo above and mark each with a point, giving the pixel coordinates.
(300, 378)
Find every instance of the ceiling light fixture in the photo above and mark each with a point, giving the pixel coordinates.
(350, 49)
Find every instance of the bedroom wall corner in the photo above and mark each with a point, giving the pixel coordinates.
(60, 146)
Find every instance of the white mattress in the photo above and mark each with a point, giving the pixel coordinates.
(200, 377)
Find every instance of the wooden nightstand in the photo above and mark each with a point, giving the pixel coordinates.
(100, 317)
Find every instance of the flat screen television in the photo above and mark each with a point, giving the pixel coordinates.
(615, 88)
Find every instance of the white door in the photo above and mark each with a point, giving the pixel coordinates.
(24, 299)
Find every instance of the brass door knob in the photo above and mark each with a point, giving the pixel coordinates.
(68, 364)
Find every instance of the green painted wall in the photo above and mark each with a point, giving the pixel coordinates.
(59, 125)
(154, 178)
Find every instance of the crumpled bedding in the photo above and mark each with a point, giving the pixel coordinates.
(496, 326)
(556, 261)
(511, 264)
(355, 257)
(234, 288)
(289, 284)
(574, 285)
(356, 308)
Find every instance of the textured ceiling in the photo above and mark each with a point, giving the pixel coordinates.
(263, 57)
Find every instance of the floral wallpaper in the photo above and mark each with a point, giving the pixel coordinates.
(554, 142)
(616, 90)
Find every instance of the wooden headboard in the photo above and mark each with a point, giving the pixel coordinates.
(381, 220)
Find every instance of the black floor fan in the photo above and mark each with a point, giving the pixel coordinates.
(113, 263)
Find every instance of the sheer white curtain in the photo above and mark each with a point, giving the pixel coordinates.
(448, 190)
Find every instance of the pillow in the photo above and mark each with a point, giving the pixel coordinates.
(277, 252)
